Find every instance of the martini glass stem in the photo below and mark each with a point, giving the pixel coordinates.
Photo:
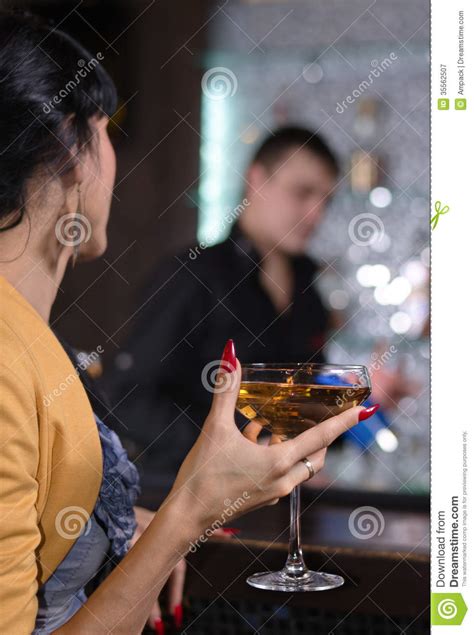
(295, 566)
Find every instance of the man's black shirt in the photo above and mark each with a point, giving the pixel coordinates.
(194, 304)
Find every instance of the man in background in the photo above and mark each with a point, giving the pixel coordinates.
(257, 287)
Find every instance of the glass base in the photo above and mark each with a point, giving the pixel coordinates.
(281, 581)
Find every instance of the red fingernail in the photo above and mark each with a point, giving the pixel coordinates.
(159, 626)
(368, 412)
(228, 362)
(178, 615)
(231, 531)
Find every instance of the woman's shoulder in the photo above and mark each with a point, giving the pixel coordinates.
(22, 334)
(16, 359)
(33, 353)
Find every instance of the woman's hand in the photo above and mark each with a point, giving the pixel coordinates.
(226, 474)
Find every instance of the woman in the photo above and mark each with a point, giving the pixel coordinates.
(67, 488)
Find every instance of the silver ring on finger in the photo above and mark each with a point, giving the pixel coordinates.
(310, 467)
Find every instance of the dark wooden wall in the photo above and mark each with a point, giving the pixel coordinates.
(154, 58)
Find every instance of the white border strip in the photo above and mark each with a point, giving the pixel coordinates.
(452, 432)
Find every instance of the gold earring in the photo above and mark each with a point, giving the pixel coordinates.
(75, 248)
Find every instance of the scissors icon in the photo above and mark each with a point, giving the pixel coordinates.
(439, 210)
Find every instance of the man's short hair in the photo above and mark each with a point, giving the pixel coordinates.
(282, 141)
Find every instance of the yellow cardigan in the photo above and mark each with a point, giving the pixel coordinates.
(50, 458)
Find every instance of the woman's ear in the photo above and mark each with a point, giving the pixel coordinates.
(73, 173)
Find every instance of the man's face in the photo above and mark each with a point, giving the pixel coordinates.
(289, 202)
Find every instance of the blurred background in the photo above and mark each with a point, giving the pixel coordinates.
(283, 62)
(200, 85)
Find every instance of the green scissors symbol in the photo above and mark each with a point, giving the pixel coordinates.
(439, 210)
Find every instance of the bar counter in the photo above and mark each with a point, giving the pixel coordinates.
(386, 586)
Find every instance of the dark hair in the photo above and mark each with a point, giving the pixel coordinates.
(50, 87)
(278, 144)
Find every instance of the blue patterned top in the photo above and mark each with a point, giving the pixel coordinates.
(118, 493)
(105, 538)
